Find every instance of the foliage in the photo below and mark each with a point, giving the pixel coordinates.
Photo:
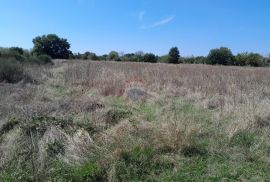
(113, 56)
(251, 59)
(163, 59)
(131, 57)
(16, 50)
(193, 60)
(44, 59)
(90, 56)
(174, 55)
(221, 56)
(11, 71)
(52, 45)
(150, 58)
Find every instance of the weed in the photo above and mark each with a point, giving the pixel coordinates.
(243, 138)
(140, 164)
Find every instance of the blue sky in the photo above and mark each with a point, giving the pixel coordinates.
(195, 26)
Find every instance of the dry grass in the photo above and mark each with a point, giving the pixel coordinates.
(79, 111)
(234, 90)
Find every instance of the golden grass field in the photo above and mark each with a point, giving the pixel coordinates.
(108, 121)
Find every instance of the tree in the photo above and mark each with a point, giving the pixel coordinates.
(174, 55)
(149, 58)
(221, 56)
(90, 55)
(252, 59)
(52, 45)
(113, 56)
(255, 59)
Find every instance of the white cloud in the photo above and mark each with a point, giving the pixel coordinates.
(159, 23)
(141, 15)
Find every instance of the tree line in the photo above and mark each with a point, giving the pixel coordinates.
(51, 46)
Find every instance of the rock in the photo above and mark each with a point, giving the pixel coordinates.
(136, 94)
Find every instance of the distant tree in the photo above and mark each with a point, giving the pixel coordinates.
(52, 45)
(150, 58)
(221, 56)
(251, 59)
(163, 59)
(174, 55)
(193, 60)
(113, 56)
(90, 56)
(255, 59)
(103, 57)
(241, 59)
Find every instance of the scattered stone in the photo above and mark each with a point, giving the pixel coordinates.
(136, 94)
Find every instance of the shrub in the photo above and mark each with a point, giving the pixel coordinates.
(163, 59)
(113, 56)
(44, 59)
(252, 59)
(221, 56)
(16, 50)
(149, 58)
(11, 71)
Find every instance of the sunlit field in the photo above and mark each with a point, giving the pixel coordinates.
(107, 121)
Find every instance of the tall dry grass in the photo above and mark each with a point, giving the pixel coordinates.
(238, 90)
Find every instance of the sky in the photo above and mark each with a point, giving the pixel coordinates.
(100, 26)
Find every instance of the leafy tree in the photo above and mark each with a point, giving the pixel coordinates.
(221, 56)
(150, 58)
(252, 59)
(113, 56)
(90, 55)
(52, 45)
(174, 55)
(255, 59)
(241, 59)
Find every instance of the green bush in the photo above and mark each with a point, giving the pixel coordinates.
(11, 71)
(113, 56)
(222, 55)
(251, 59)
(149, 58)
(44, 59)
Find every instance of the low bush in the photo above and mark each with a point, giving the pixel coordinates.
(44, 59)
(11, 71)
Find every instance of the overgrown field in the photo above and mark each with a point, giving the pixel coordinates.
(105, 121)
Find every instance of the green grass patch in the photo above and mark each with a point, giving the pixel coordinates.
(218, 168)
(243, 138)
(148, 112)
(141, 164)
